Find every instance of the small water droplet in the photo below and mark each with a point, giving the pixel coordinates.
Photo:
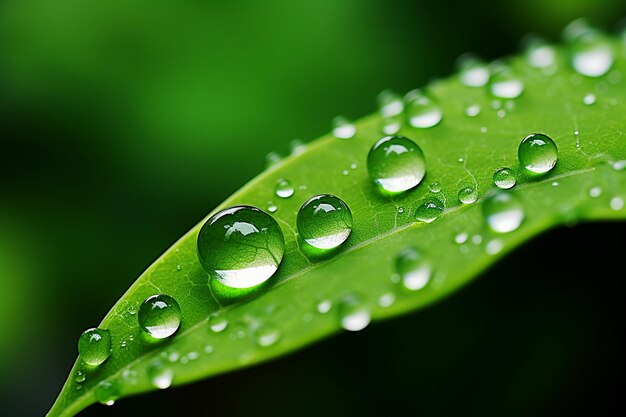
(267, 335)
(218, 323)
(616, 203)
(324, 306)
(391, 125)
(271, 207)
(400, 210)
(537, 153)
(396, 164)
(503, 212)
(389, 103)
(468, 195)
(283, 188)
(555, 184)
(504, 178)
(107, 392)
(461, 238)
(345, 172)
(173, 356)
(297, 146)
(94, 346)
(494, 246)
(422, 112)
(132, 309)
(272, 159)
(386, 300)
(505, 85)
(80, 376)
(159, 316)
(227, 246)
(591, 53)
(353, 313)
(483, 129)
(539, 54)
(343, 128)
(473, 110)
(472, 71)
(595, 192)
(122, 343)
(435, 187)
(501, 113)
(179, 267)
(129, 376)
(619, 165)
(589, 99)
(192, 356)
(477, 239)
(161, 376)
(429, 210)
(208, 349)
(414, 270)
(324, 221)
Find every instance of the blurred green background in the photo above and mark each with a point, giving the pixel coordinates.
(124, 122)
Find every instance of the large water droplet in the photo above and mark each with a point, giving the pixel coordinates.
(161, 376)
(107, 392)
(324, 221)
(429, 210)
(472, 71)
(504, 178)
(343, 128)
(94, 346)
(389, 103)
(503, 212)
(468, 195)
(415, 271)
(591, 53)
(241, 246)
(284, 189)
(159, 316)
(267, 335)
(537, 153)
(396, 164)
(353, 313)
(422, 112)
(504, 84)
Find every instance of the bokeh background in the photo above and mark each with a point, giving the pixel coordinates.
(122, 123)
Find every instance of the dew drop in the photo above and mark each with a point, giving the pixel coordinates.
(494, 246)
(619, 165)
(208, 349)
(537, 153)
(271, 207)
(324, 221)
(161, 376)
(80, 376)
(283, 188)
(94, 346)
(505, 85)
(297, 146)
(389, 103)
(472, 71)
(468, 195)
(595, 192)
(422, 112)
(159, 316)
(591, 53)
(396, 164)
(616, 203)
(353, 313)
(461, 238)
(324, 306)
(391, 125)
(107, 392)
(503, 212)
(429, 210)
(589, 99)
(386, 300)
(241, 246)
(539, 54)
(504, 178)
(272, 159)
(267, 335)
(343, 128)
(435, 187)
(414, 270)
(472, 110)
(218, 323)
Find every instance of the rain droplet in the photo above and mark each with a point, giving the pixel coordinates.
(503, 212)
(107, 392)
(161, 376)
(353, 313)
(389, 103)
(94, 346)
(283, 188)
(504, 178)
(396, 164)
(218, 323)
(241, 246)
(537, 153)
(589, 99)
(343, 128)
(414, 270)
(159, 316)
(472, 71)
(429, 210)
(505, 85)
(468, 195)
(324, 221)
(267, 335)
(422, 112)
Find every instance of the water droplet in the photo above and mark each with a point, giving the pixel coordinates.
(272, 159)
(504, 178)
(94, 346)
(241, 246)
(343, 128)
(619, 165)
(107, 392)
(267, 335)
(324, 221)
(218, 323)
(159, 316)
(414, 270)
(80, 376)
(161, 376)
(297, 146)
(429, 210)
(208, 349)
(435, 187)
(503, 212)
(129, 376)
(324, 306)
(494, 246)
(396, 164)
(353, 166)
(616, 203)
(537, 153)
(353, 313)
(391, 125)
(122, 343)
(345, 172)
(539, 54)
(271, 207)
(400, 210)
(179, 267)
(173, 356)
(386, 299)
(589, 99)
(501, 114)
(132, 309)
(472, 71)
(483, 129)
(505, 85)
(555, 184)
(423, 113)
(473, 110)
(283, 188)
(389, 103)
(192, 356)
(468, 195)
(595, 192)
(477, 239)
(591, 53)
(461, 238)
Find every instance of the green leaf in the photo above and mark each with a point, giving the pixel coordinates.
(460, 151)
